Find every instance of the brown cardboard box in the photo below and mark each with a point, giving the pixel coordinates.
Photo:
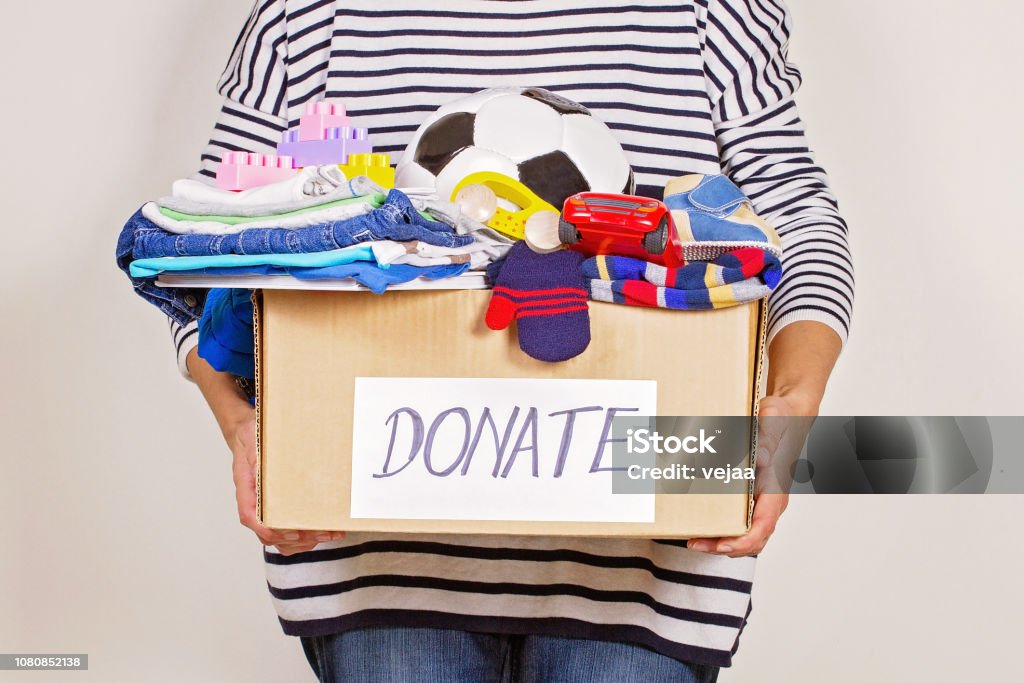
(313, 345)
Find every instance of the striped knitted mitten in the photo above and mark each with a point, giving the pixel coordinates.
(546, 295)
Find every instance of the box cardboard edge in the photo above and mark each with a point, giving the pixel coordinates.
(257, 331)
(759, 360)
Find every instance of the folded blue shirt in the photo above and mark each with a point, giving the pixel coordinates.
(151, 267)
(377, 279)
(370, 275)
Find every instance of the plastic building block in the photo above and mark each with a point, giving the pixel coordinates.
(319, 117)
(376, 167)
(335, 148)
(243, 170)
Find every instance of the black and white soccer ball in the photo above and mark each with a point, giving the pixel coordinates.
(549, 143)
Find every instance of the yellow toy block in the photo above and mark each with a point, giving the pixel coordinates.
(376, 167)
(511, 223)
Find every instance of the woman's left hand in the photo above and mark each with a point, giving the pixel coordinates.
(794, 415)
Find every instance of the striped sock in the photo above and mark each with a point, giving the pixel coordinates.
(736, 277)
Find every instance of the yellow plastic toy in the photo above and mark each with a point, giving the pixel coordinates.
(377, 167)
(511, 223)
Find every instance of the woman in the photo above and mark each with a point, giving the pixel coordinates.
(688, 87)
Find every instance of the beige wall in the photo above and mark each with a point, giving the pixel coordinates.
(119, 535)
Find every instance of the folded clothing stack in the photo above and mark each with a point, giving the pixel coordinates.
(731, 256)
(315, 225)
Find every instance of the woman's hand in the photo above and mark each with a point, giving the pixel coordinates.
(237, 421)
(779, 434)
(243, 449)
(800, 360)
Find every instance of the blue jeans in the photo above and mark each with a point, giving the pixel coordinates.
(396, 220)
(140, 238)
(426, 655)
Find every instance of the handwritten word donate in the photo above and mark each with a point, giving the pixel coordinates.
(509, 439)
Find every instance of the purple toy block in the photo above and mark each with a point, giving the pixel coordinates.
(338, 144)
(243, 170)
(319, 117)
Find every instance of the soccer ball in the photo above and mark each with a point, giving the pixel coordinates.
(551, 144)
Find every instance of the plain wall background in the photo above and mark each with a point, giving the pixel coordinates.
(119, 536)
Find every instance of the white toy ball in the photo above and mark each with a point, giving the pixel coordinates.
(552, 145)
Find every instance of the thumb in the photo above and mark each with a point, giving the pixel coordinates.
(500, 311)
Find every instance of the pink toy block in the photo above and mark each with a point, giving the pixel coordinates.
(243, 170)
(319, 117)
(334, 148)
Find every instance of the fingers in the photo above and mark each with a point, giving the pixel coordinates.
(771, 426)
(294, 548)
(245, 494)
(767, 511)
(243, 471)
(307, 541)
(781, 435)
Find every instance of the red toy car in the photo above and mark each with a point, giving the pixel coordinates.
(595, 223)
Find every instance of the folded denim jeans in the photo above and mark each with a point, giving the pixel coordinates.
(182, 304)
(140, 238)
(396, 220)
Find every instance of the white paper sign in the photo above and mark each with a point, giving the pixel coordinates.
(492, 449)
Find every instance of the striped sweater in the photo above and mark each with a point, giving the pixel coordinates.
(701, 86)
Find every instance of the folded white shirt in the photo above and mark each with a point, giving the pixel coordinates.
(312, 186)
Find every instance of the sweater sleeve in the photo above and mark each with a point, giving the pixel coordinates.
(764, 150)
(252, 116)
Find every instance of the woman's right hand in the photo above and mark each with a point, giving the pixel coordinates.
(237, 422)
(242, 440)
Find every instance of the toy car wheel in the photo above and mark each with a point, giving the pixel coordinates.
(567, 232)
(656, 240)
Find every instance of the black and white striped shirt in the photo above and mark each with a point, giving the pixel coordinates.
(700, 86)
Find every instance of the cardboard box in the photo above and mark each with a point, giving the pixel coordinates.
(321, 360)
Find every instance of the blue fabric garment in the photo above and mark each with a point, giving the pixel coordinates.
(371, 275)
(432, 654)
(714, 194)
(140, 238)
(225, 327)
(225, 332)
(181, 304)
(708, 207)
(151, 267)
(377, 279)
(396, 220)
